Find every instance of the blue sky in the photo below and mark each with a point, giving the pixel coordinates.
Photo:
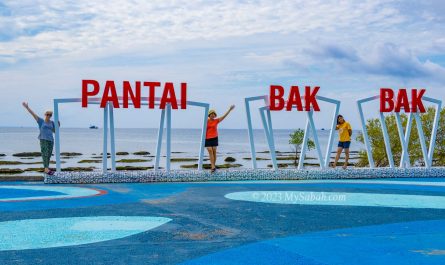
(225, 50)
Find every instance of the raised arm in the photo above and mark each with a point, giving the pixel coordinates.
(227, 113)
(25, 104)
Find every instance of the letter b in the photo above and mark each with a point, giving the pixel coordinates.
(276, 97)
(386, 100)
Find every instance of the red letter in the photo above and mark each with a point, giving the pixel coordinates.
(310, 98)
(273, 97)
(386, 96)
(86, 93)
(402, 101)
(294, 98)
(109, 86)
(129, 92)
(169, 96)
(417, 100)
(183, 95)
(151, 93)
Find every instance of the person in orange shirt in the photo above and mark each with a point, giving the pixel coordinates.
(344, 133)
(211, 142)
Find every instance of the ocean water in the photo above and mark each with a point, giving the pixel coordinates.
(185, 143)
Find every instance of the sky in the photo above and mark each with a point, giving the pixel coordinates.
(225, 50)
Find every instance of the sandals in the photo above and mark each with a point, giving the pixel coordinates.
(213, 170)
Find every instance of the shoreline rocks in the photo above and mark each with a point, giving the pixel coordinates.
(185, 159)
(141, 153)
(84, 161)
(70, 154)
(207, 166)
(229, 159)
(27, 154)
(10, 171)
(132, 160)
(121, 168)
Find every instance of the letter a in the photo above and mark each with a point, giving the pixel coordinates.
(402, 101)
(294, 99)
(110, 87)
(169, 96)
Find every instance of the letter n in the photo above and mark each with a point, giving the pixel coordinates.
(135, 97)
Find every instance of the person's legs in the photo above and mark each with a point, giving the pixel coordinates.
(50, 153)
(214, 156)
(346, 158)
(46, 150)
(337, 157)
(210, 150)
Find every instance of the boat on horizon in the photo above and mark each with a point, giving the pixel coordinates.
(93, 127)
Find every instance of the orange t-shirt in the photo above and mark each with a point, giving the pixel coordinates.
(212, 128)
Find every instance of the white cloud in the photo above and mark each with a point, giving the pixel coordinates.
(225, 50)
(51, 28)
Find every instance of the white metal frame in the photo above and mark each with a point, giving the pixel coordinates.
(404, 136)
(109, 117)
(310, 127)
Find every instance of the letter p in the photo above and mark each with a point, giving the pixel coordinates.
(86, 93)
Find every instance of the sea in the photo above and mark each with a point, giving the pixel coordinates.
(185, 144)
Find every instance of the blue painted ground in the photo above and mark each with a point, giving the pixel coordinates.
(419, 242)
(378, 222)
(116, 193)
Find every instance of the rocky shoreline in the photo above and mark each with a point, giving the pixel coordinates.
(18, 166)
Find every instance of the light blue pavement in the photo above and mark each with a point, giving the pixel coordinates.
(59, 232)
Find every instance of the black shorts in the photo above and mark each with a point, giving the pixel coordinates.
(211, 142)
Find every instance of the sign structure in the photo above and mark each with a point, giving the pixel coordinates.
(390, 102)
(410, 102)
(165, 103)
(307, 103)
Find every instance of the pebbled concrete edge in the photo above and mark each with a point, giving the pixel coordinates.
(239, 175)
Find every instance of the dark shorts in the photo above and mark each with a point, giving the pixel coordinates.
(211, 142)
(344, 145)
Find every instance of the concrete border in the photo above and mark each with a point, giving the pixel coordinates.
(239, 175)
